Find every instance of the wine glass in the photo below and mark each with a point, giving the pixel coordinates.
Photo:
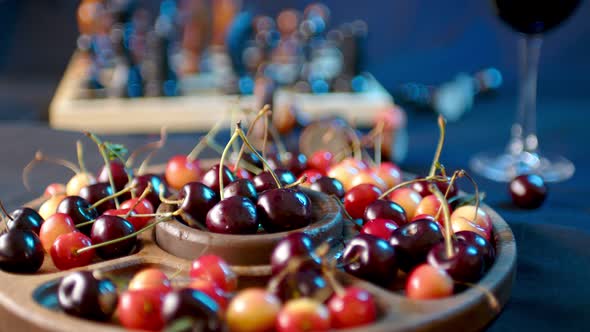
(531, 18)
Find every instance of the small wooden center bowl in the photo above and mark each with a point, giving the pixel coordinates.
(248, 254)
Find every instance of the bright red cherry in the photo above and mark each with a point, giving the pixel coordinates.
(141, 309)
(321, 160)
(354, 307)
(214, 268)
(380, 228)
(312, 176)
(358, 198)
(181, 170)
(143, 207)
(64, 251)
(53, 227)
(528, 191)
(428, 282)
(118, 172)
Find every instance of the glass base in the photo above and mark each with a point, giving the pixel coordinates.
(502, 166)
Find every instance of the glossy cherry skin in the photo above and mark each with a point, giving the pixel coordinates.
(119, 173)
(528, 191)
(211, 177)
(466, 264)
(79, 210)
(371, 258)
(422, 188)
(56, 225)
(20, 251)
(249, 157)
(485, 247)
(390, 173)
(328, 186)
(141, 309)
(143, 207)
(26, 219)
(241, 187)
(264, 181)
(82, 295)
(296, 244)
(307, 281)
(303, 314)
(216, 270)
(54, 189)
(321, 160)
(381, 228)
(95, 192)
(296, 163)
(212, 290)
(197, 200)
(428, 282)
(193, 304)
(283, 210)
(181, 170)
(414, 240)
(141, 182)
(233, 215)
(253, 310)
(384, 209)
(150, 278)
(107, 228)
(355, 307)
(358, 198)
(63, 251)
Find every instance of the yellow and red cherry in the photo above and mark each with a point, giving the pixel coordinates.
(459, 223)
(485, 247)
(321, 160)
(49, 207)
(385, 209)
(528, 191)
(408, 199)
(344, 174)
(428, 282)
(20, 251)
(328, 186)
(81, 294)
(212, 290)
(303, 314)
(353, 307)
(79, 181)
(367, 176)
(431, 205)
(141, 207)
(53, 227)
(53, 189)
(141, 309)
(211, 177)
(370, 258)
(197, 200)
(26, 219)
(283, 209)
(381, 228)
(233, 215)
(215, 269)
(118, 171)
(79, 209)
(482, 219)
(465, 265)
(414, 241)
(253, 310)
(181, 170)
(108, 228)
(389, 172)
(64, 251)
(95, 192)
(358, 198)
(150, 278)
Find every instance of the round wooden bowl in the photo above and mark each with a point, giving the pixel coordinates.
(248, 254)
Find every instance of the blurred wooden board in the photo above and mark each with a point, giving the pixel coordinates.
(191, 112)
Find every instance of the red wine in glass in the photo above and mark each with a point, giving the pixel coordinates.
(531, 18)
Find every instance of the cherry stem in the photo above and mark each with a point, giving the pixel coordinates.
(166, 200)
(356, 143)
(39, 157)
(250, 168)
(276, 138)
(3, 208)
(441, 142)
(80, 155)
(203, 142)
(105, 158)
(82, 224)
(448, 230)
(233, 138)
(292, 266)
(346, 214)
(400, 185)
(476, 188)
(456, 174)
(128, 171)
(265, 139)
(115, 195)
(147, 190)
(336, 286)
(379, 142)
(264, 162)
(153, 147)
(260, 113)
(299, 181)
(215, 146)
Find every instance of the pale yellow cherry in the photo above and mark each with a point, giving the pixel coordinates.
(253, 310)
(49, 207)
(79, 181)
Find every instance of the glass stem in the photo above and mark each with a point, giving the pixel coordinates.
(524, 131)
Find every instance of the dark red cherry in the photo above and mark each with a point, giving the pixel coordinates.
(249, 157)
(119, 173)
(296, 163)
(359, 197)
(297, 244)
(233, 215)
(20, 251)
(413, 241)
(82, 295)
(422, 188)
(328, 186)
(95, 192)
(385, 209)
(241, 187)
(197, 200)
(264, 181)
(371, 258)
(528, 191)
(141, 182)
(466, 264)
(307, 281)
(107, 228)
(26, 219)
(192, 304)
(211, 177)
(79, 210)
(484, 246)
(283, 210)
